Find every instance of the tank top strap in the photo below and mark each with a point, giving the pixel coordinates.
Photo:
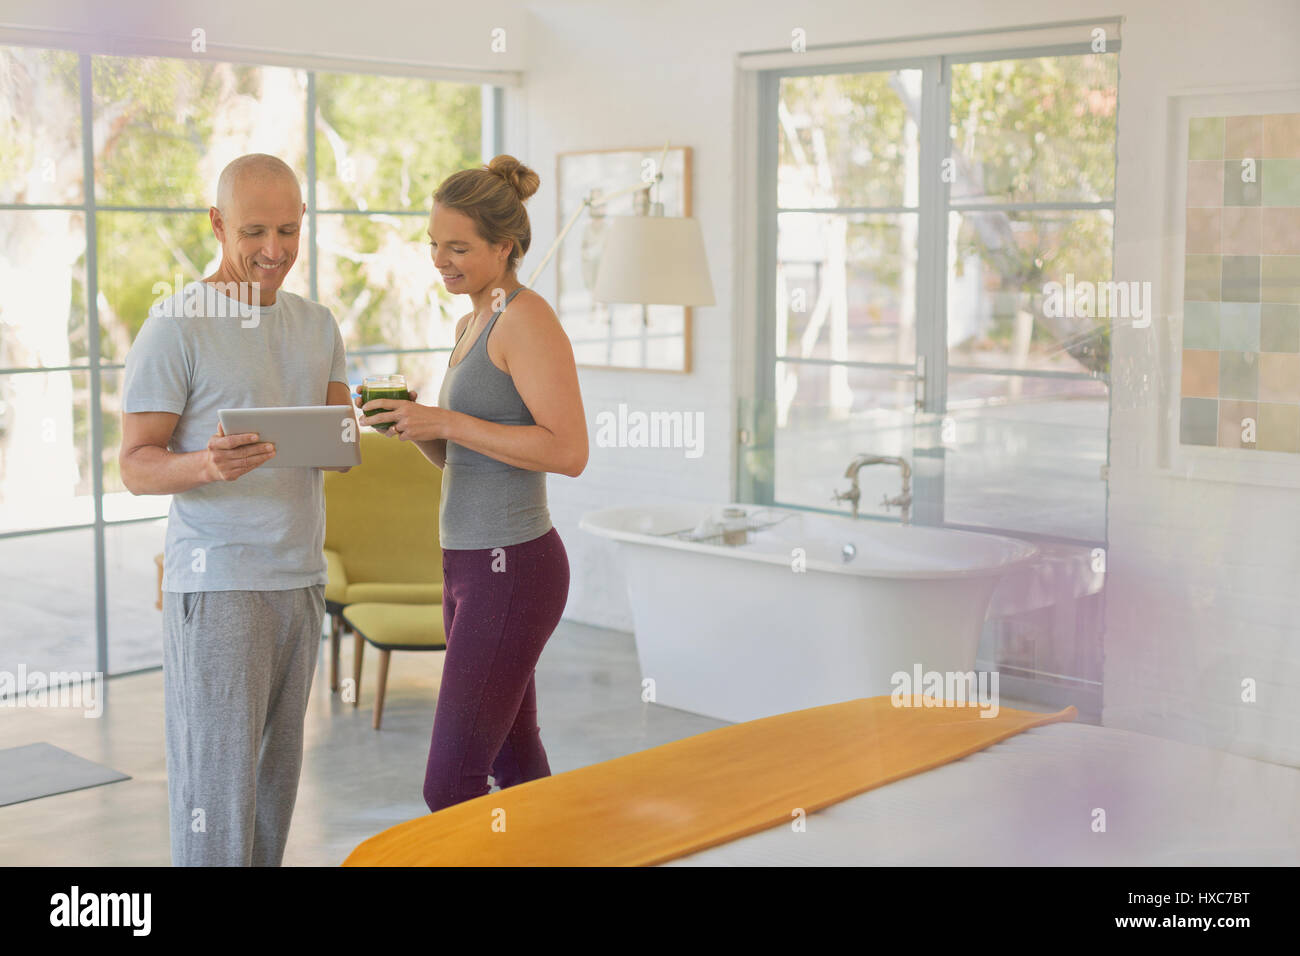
(496, 315)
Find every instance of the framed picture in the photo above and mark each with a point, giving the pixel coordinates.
(1232, 271)
(616, 335)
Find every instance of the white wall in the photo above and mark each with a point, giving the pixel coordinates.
(1204, 574)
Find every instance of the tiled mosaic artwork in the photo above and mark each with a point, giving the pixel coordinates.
(1241, 287)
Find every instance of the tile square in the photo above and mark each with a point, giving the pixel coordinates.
(1237, 190)
(1205, 183)
(1233, 425)
(1201, 278)
(1279, 428)
(1239, 326)
(1201, 326)
(1239, 375)
(1279, 328)
(1240, 281)
(1242, 231)
(1281, 136)
(1279, 279)
(1204, 227)
(1205, 138)
(1279, 377)
(1243, 136)
(1281, 181)
(1200, 374)
(1198, 422)
(1280, 230)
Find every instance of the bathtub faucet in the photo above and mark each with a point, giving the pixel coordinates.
(903, 501)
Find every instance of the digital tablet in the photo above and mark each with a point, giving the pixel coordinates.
(308, 436)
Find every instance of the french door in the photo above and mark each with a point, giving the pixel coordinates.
(919, 211)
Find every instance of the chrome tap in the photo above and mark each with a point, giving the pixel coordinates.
(903, 501)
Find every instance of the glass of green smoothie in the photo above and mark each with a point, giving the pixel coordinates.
(383, 386)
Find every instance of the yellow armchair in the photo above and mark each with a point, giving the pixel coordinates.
(381, 536)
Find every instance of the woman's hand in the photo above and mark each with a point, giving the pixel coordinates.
(388, 403)
(410, 421)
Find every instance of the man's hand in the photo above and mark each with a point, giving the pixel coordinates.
(230, 456)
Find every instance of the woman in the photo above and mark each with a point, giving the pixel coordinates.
(509, 411)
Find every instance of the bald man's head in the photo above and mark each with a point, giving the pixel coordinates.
(255, 167)
(257, 220)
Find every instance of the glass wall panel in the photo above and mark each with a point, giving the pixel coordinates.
(40, 127)
(1040, 129)
(848, 139)
(1032, 290)
(384, 143)
(47, 602)
(42, 288)
(846, 287)
(165, 128)
(827, 414)
(134, 619)
(45, 458)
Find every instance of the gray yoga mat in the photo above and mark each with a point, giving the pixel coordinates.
(41, 770)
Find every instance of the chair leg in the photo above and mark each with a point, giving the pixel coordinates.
(357, 653)
(383, 683)
(334, 652)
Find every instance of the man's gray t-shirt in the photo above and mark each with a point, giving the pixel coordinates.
(264, 531)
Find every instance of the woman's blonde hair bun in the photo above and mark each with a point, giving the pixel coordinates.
(520, 178)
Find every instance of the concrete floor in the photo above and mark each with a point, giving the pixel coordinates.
(355, 781)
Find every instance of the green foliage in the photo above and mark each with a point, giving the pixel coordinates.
(138, 251)
(402, 136)
(159, 124)
(1036, 130)
(385, 143)
(153, 123)
(1024, 131)
(862, 125)
(43, 87)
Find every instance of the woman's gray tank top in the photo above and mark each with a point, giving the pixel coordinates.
(487, 503)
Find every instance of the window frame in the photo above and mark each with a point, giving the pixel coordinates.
(934, 208)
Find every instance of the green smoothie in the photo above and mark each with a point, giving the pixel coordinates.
(371, 392)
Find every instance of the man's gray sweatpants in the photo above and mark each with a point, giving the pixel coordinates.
(237, 670)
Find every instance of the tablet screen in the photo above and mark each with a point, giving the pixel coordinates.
(311, 436)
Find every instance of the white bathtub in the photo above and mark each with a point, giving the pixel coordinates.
(734, 632)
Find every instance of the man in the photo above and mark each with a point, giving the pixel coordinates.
(244, 571)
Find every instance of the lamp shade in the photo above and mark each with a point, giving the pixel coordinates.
(654, 260)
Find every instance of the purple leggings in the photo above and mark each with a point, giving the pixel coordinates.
(499, 607)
